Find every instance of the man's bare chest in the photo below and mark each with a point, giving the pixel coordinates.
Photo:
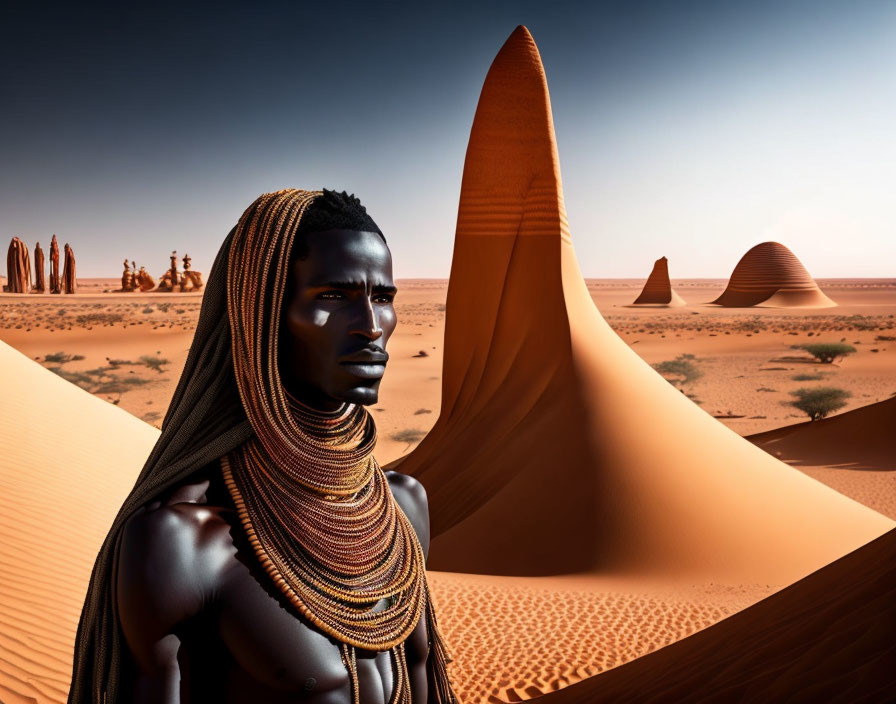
(274, 651)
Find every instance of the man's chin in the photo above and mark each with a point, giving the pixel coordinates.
(361, 395)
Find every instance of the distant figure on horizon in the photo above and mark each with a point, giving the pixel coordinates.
(54, 266)
(170, 278)
(128, 283)
(18, 268)
(40, 284)
(69, 283)
(191, 280)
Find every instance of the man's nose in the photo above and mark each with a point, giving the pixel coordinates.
(368, 324)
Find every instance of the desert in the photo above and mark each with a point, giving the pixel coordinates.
(685, 499)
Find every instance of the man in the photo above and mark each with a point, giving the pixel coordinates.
(263, 555)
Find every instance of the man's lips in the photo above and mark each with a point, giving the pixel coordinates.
(365, 357)
(365, 365)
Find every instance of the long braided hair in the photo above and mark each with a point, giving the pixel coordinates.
(205, 421)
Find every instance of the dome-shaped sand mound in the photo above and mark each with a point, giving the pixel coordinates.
(771, 275)
(657, 290)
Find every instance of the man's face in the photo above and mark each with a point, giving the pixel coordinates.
(337, 318)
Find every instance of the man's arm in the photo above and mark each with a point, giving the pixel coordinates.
(157, 590)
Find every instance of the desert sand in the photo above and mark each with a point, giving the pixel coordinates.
(623, 516)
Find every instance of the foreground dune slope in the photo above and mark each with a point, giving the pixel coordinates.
(67, 460)
(829, 638)
(558, 450)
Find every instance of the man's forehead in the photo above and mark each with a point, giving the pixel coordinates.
(348, 256)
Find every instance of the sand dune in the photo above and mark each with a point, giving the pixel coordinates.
(859, 439)
(558, 449)
(67, 460)
(657, 289)
(769, 274)
(829, 638)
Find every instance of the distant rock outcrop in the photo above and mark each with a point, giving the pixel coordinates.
(54, 266)
(144, 281)
(69, 282)
(40, 284)
(771, 275)
(658, 290)
(18, 268)
(191, 280)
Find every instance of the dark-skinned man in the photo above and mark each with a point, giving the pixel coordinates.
(272, 559)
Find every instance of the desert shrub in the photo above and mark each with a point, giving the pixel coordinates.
(409, 435)
(98, 318)
(85, 381)
(153, 362)
(827, 352)
(807, 377)
(819, 402)
(58, 358)
(682, 369)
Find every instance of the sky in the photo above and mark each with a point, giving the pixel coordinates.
(691, 130)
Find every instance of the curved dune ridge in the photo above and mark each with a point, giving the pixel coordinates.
(658, 289)
(770, 274)
(827, 638)
(862, 438)
(558, 450)
(853, 452)
(67, 460)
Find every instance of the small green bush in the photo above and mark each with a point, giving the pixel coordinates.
(827, 352)
(682, 369)
(153, 362)
(819, 402)
(807, 377)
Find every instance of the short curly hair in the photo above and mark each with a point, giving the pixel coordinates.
(333, 210)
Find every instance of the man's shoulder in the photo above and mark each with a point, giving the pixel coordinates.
(409, 493)
(411, 497)
(166, 537)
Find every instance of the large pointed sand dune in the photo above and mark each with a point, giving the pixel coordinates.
(67, 460)
(558, 449)
(859, 439)
(769, 274)
(657, 289)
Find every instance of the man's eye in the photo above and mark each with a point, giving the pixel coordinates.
(383, 298)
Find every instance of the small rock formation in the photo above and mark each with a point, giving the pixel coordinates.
(771, 275)
(128, 282)
(69, 282)
(54, 266)
(191, 280)
(18, 268)
(658, 289)
(144, 281)
(170, 278)
(40, 284)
